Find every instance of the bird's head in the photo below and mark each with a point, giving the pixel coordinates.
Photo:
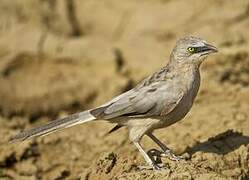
(192, 50)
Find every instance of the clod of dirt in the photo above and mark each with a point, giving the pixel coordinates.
(9, 156)
(58, 172)
(107, 162)
(107, 166)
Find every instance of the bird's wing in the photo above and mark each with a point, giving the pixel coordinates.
(158, 98)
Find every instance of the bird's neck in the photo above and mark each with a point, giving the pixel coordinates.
(187, 76)
(181, 67)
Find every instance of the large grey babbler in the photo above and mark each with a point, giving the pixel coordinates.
(158, 101)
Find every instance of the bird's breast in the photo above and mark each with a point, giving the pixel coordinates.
(190, 87)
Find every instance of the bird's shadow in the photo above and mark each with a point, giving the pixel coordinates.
(221, 144)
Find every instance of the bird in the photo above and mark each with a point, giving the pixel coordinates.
(158, 101)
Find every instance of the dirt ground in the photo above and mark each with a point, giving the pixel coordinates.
(61, 57)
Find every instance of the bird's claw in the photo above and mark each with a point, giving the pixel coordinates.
(172, 156)
(157, 166)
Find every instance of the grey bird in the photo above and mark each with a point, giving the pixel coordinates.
(158, 101)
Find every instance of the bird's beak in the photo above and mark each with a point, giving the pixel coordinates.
(210, 48)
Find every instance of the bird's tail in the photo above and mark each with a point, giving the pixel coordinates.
(53, 126)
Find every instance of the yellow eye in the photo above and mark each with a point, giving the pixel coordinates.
(191, 49)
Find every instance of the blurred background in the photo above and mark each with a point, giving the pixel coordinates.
(60, 57)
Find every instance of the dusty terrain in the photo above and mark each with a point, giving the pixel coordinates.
(60, 57)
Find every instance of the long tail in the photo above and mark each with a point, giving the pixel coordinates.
(53, 126)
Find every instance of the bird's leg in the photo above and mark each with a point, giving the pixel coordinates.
(166, 150)
(151, 163)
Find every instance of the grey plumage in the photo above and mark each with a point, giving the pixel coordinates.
(158, 101)
(53, 126)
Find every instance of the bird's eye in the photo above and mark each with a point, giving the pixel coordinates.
(191, 49)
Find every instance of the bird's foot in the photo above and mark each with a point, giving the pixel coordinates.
(172, 156)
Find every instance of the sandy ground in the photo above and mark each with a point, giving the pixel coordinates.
(60, 57)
